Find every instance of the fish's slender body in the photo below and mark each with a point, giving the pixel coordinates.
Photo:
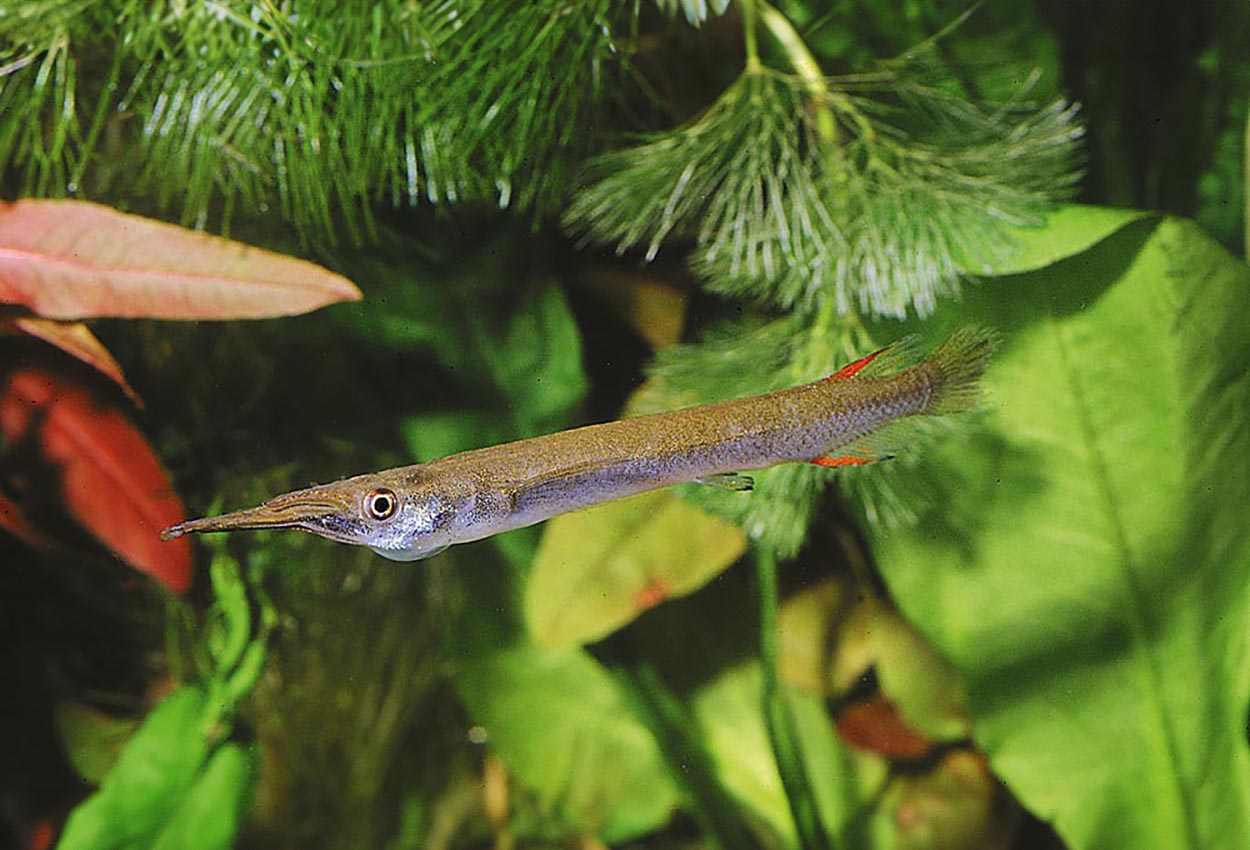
(414, 511)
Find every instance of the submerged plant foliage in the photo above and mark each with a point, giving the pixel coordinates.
(315, 106)
(696, 11)
(794, 195)
(1076, 542)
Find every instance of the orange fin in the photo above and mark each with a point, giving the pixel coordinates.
(896, 355)
(848, 460)
(851, 369)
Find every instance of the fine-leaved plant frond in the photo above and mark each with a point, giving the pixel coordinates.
(513, 91)
(742, 180)
(875, 213)
(39, 90)
(320, 109)
(696, 11)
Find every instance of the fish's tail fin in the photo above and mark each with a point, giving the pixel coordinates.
(959, 363)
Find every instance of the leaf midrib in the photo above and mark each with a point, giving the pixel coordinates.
(1127, 563)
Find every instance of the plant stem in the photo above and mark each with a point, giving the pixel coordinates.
(805, 64)
(808, 69)
(748, 34)
(778, 719)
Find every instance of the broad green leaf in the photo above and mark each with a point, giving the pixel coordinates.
(729, 708)
(150, 778)
(210, 815)
(92, 739)
(598, 569)
(1068, 231)
(918, 681)
(563, 727)
(537, 361)
(724, 823)
(430, 436)
(494, 316)
(808, 624)
(1087, 560)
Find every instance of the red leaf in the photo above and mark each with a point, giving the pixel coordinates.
(110, 480)
(874, 726)
(76, 340)
(14, 521)
(74, 260)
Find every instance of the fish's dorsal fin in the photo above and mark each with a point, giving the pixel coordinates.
(884, 361)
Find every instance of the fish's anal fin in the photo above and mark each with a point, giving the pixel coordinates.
(849, 460)
(729, 481)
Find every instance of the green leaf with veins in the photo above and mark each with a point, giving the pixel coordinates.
(728, 708)
(564, 728)
(597, 569)
(1086, 566)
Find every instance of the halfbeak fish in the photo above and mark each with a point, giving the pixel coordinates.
(417, 511)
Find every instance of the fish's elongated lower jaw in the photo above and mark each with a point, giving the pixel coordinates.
(175, 531)
(299, 514)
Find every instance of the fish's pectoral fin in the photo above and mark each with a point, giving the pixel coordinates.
(729, 481)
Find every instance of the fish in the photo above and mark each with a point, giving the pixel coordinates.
(417, 511)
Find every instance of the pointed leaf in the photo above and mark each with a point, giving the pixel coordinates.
(1086, 564)
(598, 569)
(150, 778)
(563, 726)
(208, 817)
(74, 260)
(729, 709)
(14, 521)
(110, 480)
(875, 726)
(920, 684)
(1068, 231)
(76, 340)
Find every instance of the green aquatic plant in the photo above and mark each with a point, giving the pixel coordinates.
(794, 196)
(322, 110)
(803, 183)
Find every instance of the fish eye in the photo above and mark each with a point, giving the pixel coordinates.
(381, 503)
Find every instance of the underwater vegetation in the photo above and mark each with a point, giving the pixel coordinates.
(246, 247)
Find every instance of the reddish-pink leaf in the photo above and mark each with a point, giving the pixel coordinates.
(76, 260)
(875, 726)
(110, 479)
(76, 340)
(14, 521)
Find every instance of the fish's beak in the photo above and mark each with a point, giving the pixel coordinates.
(301, 509)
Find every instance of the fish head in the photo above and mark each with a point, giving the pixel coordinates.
(394, 515)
